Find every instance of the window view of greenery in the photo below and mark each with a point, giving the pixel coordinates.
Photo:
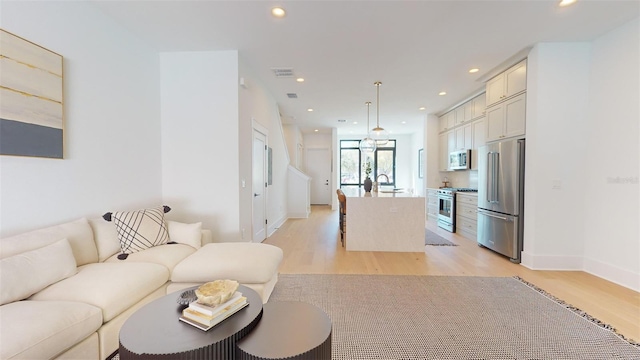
(353, 163)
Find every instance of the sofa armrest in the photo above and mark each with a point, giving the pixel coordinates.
(207, 237)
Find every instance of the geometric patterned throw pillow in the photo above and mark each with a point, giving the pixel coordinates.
(141, 229)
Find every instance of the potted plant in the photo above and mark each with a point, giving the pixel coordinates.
(367, 180)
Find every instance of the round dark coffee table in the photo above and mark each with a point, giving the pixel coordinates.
(154, 331)
(288, 330)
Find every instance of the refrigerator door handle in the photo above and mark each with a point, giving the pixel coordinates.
(492, 177)
(489, 175)
(493, 216)
(495, 176)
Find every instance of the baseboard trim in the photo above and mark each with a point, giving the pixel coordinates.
(273, 227)
(550, 262)
(597, 268)
(299, 215)
(612, 273)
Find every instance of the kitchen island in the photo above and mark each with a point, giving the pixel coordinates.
(386, 220)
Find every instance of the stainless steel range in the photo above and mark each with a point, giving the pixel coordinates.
(447, 207)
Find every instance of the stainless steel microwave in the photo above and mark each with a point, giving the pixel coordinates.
(460, 160)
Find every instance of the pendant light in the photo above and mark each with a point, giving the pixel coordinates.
(367, 145)
(380, 135)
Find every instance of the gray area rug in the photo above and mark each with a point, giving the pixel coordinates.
(431, 238)
(443, 317)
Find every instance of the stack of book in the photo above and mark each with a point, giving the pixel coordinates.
(205, 317)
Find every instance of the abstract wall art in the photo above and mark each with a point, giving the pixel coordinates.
(31, 99)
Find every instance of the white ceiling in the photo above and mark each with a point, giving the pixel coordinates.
(415, 48)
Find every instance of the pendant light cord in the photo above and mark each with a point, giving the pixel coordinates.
(377, 84)
(368, 103)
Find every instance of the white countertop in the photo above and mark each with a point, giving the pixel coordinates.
(356, 192)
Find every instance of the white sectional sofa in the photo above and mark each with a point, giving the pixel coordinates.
(65, 294)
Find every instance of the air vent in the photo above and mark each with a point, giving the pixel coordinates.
(342, 120)
(292, 95)
(282, 72)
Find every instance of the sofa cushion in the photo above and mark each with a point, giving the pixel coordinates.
(106, 238)
(25, 274)
(189, 234)
(44, 329)
(78, 233)
(113, 287)
(168, 255)
(141, 229)
(246, 263)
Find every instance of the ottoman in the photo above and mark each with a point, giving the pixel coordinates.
(251, 264)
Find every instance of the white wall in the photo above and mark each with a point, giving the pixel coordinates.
(112, 129)
(200, 162)
(417, 183)
(557, 90)
(294, 140)
(257, 103)
(583, 134)
(432, 150)
(611, 199)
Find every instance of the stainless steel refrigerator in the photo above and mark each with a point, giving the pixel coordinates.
(501, 197)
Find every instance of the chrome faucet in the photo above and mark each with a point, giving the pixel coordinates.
(385, 175)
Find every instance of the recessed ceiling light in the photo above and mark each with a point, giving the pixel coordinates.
(309, 109)
(278, 12)
(404, 122)
(355, 123)
(566, 2)
(442, 93)
(316, 130)
(474, 70)
(300, 79)
(422, 108)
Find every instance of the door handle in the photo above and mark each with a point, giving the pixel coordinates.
(256, 195)
(493, 216)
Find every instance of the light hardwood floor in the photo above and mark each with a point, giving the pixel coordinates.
(312, 246)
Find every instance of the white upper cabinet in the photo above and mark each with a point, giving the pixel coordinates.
(447, 121)
(464, 113)
(443, 151)
(468, 111)
(509, 83)
(463, 137)
(479, 138)
(459, 115)
(478, 105)
(506, 119)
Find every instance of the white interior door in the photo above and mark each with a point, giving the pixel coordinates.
(259, 186)
(318, 166)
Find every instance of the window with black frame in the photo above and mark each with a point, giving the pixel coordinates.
(353, 163)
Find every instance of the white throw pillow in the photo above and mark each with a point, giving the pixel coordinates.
(106, 237)
(188, 234)
(25, 274)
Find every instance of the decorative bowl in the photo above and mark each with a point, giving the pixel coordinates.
(216, 292)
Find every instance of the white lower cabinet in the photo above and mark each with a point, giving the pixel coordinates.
(467, 215)
(432, 205)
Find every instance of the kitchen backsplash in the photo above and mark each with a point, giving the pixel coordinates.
(461, 179)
